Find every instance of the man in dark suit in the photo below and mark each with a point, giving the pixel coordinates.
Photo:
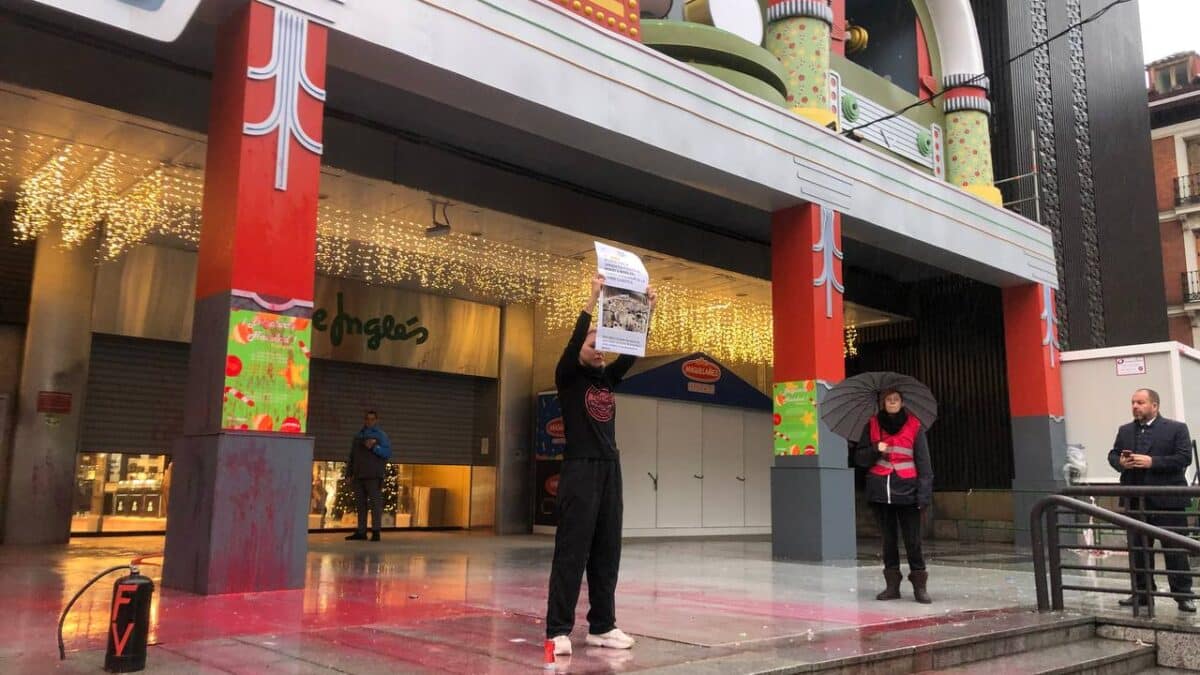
(1153, 450)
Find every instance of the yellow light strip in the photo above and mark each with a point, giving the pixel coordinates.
(125, 200)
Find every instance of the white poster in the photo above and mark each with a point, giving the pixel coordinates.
(624, 307)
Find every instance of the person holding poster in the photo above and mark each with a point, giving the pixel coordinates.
(589, 488)
(624, 302)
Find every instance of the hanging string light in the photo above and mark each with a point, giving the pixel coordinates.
(133, 199)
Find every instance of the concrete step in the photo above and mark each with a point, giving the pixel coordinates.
(1160, 670)
(925, 645)
(1093, 656)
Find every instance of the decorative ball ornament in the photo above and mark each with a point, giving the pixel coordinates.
(743, 18)
(654, 9)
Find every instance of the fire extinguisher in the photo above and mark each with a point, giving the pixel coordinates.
(129, 618)
(129, 623)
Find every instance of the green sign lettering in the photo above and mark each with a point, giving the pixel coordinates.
(377, 329)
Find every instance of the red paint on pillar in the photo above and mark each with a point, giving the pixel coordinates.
(1034, 372)
(254, 236)
(808, 344)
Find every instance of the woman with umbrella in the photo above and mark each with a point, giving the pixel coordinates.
(886, 415)
(899, 484)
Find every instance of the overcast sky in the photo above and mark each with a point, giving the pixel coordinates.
(1169, 26)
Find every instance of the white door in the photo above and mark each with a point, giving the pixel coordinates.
(679, 464)
(758, 451)
(723, 493)
(637, 438)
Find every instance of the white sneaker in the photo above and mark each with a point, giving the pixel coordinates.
(562, 645)
(613, 639)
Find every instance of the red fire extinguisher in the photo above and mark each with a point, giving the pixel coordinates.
(129, 623)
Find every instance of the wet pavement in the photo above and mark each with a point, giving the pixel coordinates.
(473, 603)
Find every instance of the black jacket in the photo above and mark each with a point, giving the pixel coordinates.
(892, 489)
(1170, 449)
(586, 396)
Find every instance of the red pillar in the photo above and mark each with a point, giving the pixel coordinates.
(240, 483)
(1031, 343)
(812, 491)
(806, 290)
(1035, 398)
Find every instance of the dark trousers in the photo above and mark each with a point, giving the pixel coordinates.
(1176, 562)
(369, 489)
(588, 538)
(906, 519)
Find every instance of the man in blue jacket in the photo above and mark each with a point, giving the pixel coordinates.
(369, 454)
(1153, 450)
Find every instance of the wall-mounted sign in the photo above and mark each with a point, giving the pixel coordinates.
(158, 19)
(619, 16)
(54, 402)
(697, 378)
(1131, 365)
(550, 435)
(266, 373)
(150, 294)
(796, 418)
(374, 329)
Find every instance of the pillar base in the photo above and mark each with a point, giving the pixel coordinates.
(988, 193)
(1039, 456)
(238, 513)
(812, 514)
(821, 116)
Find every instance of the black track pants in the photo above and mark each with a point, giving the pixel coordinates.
(588, 538)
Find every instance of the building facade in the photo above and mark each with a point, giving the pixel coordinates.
(1175, 121)
(245, 222)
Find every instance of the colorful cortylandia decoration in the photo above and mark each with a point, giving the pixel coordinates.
(619, 16)
(798, 34)
(968, 152)
(795, 406)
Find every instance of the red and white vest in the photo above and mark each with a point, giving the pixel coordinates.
(899, 455)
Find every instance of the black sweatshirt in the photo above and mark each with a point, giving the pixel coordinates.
(585, 394)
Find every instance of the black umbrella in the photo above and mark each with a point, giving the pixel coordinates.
(850, 404)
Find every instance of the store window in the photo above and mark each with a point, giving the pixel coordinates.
(414, 496)
(118, 492)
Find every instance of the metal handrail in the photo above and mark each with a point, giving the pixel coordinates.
(1050, 595)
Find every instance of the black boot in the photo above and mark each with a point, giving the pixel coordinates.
(893, 579)
(919, 578)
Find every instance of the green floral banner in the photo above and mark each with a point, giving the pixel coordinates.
(266, 372)
(795, 417)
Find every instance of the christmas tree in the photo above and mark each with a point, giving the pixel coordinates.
(343, 500)
(391, 489)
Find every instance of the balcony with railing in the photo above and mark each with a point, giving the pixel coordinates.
(1187, 190)
(1191, 287)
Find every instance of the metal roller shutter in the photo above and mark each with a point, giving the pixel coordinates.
(136, 389)
(431, 418)
(134, 398)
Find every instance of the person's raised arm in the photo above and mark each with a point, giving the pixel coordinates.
(569, 360)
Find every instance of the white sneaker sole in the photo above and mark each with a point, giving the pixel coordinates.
(562, 650)
(607, 643)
